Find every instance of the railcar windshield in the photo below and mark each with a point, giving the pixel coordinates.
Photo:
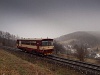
(47, 43)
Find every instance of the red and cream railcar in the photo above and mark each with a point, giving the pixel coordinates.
(39, 46)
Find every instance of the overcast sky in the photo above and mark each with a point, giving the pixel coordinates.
(49, 18)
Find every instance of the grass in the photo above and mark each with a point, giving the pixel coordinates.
(89, 60)
(13, 63)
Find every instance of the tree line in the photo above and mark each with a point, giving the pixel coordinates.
(81, 51)
(7, 39)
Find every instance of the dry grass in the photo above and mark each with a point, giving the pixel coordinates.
(12, 65)
(94, 61)
(89, 60)
(57, 69)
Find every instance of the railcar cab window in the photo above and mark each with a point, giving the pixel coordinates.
(47, 43)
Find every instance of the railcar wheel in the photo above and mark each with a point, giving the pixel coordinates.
(33, 52)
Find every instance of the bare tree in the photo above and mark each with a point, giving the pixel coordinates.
(6, 39)
(81, 52)
(58, 48)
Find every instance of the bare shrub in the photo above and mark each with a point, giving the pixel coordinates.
(81, 52)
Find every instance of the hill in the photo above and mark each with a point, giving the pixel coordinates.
(21, 63)
(91, 38)
(12, 65)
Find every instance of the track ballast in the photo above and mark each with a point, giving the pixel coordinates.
(83, 67)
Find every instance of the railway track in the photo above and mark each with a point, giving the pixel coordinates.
(86, 68)
(83, 67)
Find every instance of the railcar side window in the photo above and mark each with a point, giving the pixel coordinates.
(26, 42)
(47, 43)
(29, 42)
(33, 42)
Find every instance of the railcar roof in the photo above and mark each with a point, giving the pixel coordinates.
(36, 39)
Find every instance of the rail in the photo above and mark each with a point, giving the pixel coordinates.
(83, 67)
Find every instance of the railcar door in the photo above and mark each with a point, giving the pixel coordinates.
(38, 44)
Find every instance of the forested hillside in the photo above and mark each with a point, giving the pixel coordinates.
(80, 37)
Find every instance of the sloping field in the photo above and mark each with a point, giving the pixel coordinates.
(20, 63)
(12, 65)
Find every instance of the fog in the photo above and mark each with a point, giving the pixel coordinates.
(49, 18)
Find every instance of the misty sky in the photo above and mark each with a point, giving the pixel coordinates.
(49, 18)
